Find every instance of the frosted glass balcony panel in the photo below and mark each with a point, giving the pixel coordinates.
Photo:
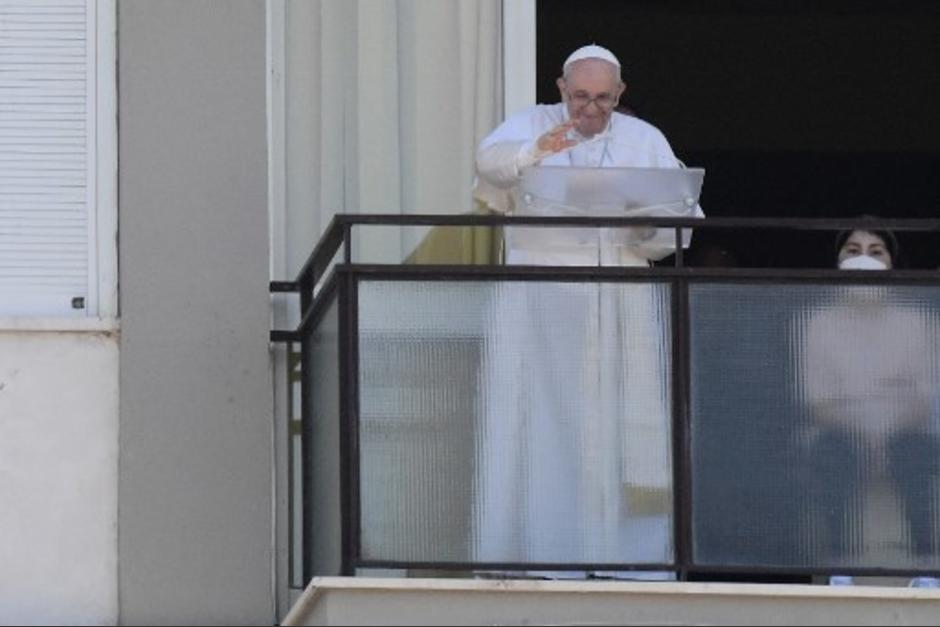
(325, 519)
(515, 422)
(815, 424)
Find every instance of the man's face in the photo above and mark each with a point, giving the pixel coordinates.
(591, 91)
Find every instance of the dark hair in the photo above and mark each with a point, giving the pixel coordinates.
(891, 242)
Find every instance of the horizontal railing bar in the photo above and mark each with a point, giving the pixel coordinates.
(310, 317)
(330, 243)
(855, 571)
(594, 274)
(285, 336)
(276, 287)
(609, 273)
(667, 567)
(514, 566)
(739, 222)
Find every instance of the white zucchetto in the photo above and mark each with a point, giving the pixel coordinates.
(592, 51)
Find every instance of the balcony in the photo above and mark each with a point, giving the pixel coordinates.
(672, 423)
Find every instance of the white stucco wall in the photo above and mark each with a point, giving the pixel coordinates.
(58, 477)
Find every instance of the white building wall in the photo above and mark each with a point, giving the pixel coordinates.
(58, 476)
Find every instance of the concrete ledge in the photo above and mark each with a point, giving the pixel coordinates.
(58, 325)
(379, 601)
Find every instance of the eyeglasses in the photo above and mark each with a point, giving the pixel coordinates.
(604, 102)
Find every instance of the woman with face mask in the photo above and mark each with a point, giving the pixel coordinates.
(868, 367)
(866, 250)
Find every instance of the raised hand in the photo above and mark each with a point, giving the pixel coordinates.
(556, 139)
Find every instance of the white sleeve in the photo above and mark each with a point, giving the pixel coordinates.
(500, 163)
(509, 149)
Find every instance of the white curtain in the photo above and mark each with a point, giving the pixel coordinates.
(385, 102)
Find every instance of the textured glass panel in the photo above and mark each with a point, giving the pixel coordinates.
(815, 425)
(419, 353)
(323, 379)
(515, 422)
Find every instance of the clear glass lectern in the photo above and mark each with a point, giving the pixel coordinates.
(605, 192)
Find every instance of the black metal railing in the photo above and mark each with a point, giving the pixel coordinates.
(745, 495)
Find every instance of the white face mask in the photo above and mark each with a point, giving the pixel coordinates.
(862, 262)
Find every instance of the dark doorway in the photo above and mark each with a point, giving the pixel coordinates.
(795, 109)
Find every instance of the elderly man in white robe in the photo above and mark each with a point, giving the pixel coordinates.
(574, 447)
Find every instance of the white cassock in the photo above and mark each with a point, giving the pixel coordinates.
(574, 446)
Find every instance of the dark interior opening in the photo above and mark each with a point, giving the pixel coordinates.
(794, 109)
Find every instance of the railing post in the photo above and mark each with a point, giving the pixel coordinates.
(306, 449)
(347, 243)
(681, 448)
(679, 252)
(349, 420)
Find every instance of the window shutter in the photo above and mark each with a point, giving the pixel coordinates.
(47, 158)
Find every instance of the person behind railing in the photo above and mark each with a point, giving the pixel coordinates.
(574, 447)
(868, 378)
(585, 129)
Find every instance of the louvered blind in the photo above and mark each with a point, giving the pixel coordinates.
(47, 157)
